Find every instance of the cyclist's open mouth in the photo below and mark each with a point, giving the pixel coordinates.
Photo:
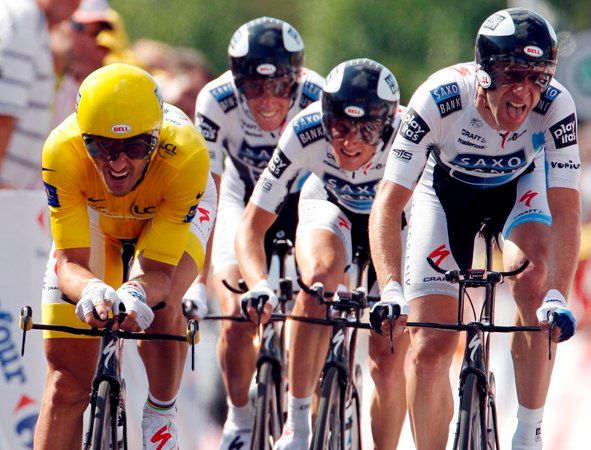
(349, 154)
(117, 178)
(515, 110)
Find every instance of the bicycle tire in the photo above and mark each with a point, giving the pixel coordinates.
(268, 421)
(355, 426)
(104, 426)
(329, 430)
(470, 423)
(491, 416)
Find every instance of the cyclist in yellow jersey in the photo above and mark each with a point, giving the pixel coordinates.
(124, 169)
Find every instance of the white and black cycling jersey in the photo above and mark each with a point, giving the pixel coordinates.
(231, 131)
(442, 127)
(303, 147)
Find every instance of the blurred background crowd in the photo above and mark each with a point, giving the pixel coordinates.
(183, 44)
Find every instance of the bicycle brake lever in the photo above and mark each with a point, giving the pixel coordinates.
(551, 323)
(25, 324)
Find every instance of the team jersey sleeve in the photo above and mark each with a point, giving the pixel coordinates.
(63, 175)
(209, 119)
(416, 135)
(563, 161)
(287, 162)
(167, 238)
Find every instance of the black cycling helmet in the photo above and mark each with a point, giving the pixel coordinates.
(360, 90)
(265, 48)
(515, 37)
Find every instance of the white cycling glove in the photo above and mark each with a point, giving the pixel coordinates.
(392, 295)
(262, 288)
(94, 294)
(133, 296)
(197, 294)
(554, 302)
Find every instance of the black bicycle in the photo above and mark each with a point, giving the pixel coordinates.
(107, 427)
(338, 425)
(477, 419)
(271, 374)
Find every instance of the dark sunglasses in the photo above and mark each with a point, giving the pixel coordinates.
(539, 74)
(280, 87)
(94, 27)
(368, 132)
(109, 149)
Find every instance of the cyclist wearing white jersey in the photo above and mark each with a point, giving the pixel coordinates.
(241, 115)
(496, 139)
(343, 141)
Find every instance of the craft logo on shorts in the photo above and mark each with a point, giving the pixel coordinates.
(121, 128)
(565, 132)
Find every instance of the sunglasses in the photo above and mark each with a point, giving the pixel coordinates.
(91, 28)
(109, 149)
(280, 87)
(538, 74)
(368, 132)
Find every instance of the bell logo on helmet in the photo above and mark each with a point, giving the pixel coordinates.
(266, 69)
(483, 79)
(121, 128)
(354, 111)
(532, 50)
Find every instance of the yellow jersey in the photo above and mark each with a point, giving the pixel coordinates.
(167, 196)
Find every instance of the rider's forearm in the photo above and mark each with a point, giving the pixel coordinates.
(250, 251)
(203, 274)
(384, 233)
(565, 238)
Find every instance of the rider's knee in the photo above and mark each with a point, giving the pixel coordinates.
(65, 390)
(432, 356)
(387, 373)
(528, 287)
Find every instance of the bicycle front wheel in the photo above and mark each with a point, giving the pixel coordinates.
(104, 427)
(268, 415)
(470, 422)
(329, 429)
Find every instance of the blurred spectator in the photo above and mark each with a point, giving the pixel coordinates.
(26, 85)
(181, 72)
(94, 36)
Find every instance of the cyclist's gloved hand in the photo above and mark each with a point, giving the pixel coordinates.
(564, 320)
(139, 314)
(261, 290)
(95, 295)
(195, 302)
(391, 296)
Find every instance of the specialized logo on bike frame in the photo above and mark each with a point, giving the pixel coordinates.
(278, 163)
(208, 128)
(528, 197)
(356, 196)
(310, 93)
(491, 164)
(413, 127)
(236, 444)
(545, 102)
(225, 96)
(565, 132)
(308, 128)
(447, 98)
(257, 156)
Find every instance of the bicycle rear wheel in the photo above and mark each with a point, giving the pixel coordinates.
(268, 415)
(104, 426)
(471, 433)
(329, 429)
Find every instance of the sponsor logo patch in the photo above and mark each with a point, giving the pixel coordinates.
(310, 93)
(493, 22)
(308, 129)
(225, 96)
(208, 128)
(533, 51)
(491, 164)
(121, 128)
(258, 156)
(354, 111)
(447, 98)
(565, 132)
(413, 127)
(278, 163)
(357, 196)
(266, 69)
(402, 155)
(545, 102)
(191, 214)
(52, 198)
